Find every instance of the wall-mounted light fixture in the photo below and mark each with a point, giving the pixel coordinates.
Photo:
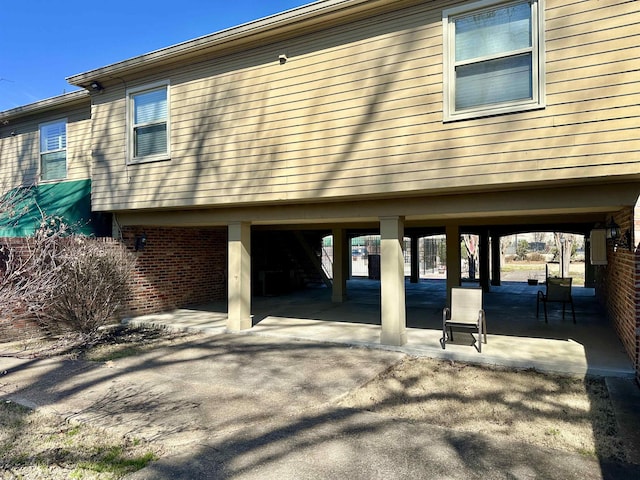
(617, 238)
(141, 242)
(96, 86)
(283, 59)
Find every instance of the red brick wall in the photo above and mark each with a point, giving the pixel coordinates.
(12, 329)
(177, 267)
(635, 234)
(22, 329)
(619, 287)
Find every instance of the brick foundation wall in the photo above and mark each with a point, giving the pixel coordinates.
(635, 234)
(177, 267)
(12, 329)
(619, 288)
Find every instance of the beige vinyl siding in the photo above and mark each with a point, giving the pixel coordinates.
(79, 144)
(20, 153)
(357, 111)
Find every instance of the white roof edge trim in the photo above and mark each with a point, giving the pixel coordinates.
(255, 26)
(47, 103)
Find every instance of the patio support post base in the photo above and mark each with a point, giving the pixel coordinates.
(341, 256)
(393, 308)
(495, 259)
(453, 259)
(239, 308)
(415, 259)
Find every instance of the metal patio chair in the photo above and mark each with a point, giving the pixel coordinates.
(466, 313)
(558, 291)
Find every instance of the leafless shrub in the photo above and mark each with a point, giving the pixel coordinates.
(535, 257)
(94, 283)
(29, 271)
(60, 280)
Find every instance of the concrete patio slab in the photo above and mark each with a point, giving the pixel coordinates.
(516, 337)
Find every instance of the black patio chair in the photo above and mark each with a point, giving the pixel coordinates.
(558, 291)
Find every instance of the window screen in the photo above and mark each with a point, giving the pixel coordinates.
(53, 150)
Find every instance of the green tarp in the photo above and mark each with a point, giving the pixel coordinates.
(69, 200)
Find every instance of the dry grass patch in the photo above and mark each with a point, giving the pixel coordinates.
(131, 341)
(566, 413)
(111, 343)
(34, 445)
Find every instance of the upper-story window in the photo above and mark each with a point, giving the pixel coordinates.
(148, 117)
(53, 150)
(493, 58)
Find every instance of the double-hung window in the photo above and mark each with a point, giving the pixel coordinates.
(493, 58)
(53, 150)
(148, 119)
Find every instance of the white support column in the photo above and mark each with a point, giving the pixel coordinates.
(393, 314)
(453, 259)
(239, 308)
(340, 265)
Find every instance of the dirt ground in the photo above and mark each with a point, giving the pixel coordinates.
(560, 412)
(39, 446)
(566, 413)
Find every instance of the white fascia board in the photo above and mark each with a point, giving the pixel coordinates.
(47, 104)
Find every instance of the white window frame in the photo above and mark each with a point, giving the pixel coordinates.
(55, 150)
(537, 53)
(131, 126)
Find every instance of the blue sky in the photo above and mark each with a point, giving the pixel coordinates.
(44, 41)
